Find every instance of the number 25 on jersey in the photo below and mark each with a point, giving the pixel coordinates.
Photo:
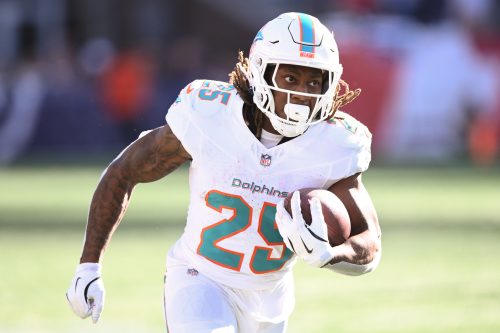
(261, 261)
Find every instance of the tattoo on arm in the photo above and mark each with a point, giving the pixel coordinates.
(147, 159)
(161, 153)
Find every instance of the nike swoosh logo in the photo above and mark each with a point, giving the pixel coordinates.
(316, 236)
(291, 244)
(307, 249)
(189, 89)
(87, 288)
(76, 283)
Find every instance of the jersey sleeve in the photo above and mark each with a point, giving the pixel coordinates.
(362, 154)
(356, 139)
(193, 116)
(180, 112)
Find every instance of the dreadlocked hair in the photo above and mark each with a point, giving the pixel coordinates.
(347, 97)
(253, 117)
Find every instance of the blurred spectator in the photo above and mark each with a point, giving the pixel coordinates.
(96, 56)
(425, 83)
(180, 61)
(428, 69)
(443, 86)
(127, 91)
(371, 42)
(10, 19)
(20, 104)
(21, 97)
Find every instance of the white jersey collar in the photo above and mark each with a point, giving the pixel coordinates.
(269, 139)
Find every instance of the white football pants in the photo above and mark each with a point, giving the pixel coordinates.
(196, 304)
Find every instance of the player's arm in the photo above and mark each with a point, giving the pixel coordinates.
(147, 159)
(361, 252)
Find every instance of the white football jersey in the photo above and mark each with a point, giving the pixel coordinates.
(235, 183)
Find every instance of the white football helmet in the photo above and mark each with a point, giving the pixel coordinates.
(294, 39)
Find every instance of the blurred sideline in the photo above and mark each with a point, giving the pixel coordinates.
(80, 79)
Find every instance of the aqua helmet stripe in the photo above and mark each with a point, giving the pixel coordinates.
(307, 38)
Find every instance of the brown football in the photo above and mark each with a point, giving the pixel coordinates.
(334, 211)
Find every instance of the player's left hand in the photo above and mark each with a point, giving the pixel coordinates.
(309, 242)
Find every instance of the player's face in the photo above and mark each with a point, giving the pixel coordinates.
(296, 78)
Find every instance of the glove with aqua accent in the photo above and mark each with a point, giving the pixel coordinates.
(86, 292)
(309, 242)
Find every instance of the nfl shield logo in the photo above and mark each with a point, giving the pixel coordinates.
(265, 160)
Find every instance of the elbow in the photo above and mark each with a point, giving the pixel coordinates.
(372, 265)
(376, 256)
(347, 268)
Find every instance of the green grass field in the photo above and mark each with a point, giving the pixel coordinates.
(440, 270)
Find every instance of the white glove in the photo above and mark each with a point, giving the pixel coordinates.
(309, 242)
(86, 292)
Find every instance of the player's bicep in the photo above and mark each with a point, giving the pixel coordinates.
(152, 156)
(357, 200)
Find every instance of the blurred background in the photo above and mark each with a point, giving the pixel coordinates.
(86, 77)
(80, 79)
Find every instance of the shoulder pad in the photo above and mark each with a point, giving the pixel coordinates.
(207, 94)
(350, 124)
(348, 132)
(197, 103)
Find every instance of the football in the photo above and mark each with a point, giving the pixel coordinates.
(334, 212)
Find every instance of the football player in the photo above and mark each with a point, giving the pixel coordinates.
(252, 142)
